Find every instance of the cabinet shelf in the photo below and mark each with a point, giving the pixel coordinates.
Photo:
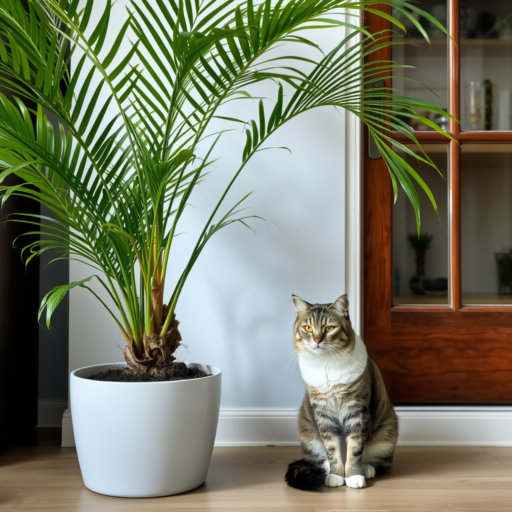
(488, 148)
(419, 41)
(438, 47)
(468, 299)
(472, 155)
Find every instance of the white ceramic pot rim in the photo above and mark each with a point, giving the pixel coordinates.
(214, 372)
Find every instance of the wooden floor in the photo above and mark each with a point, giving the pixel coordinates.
(38, 475)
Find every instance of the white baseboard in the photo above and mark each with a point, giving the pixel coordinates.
(419, 426)
(457, 426)
(257, 428)
(49, 412)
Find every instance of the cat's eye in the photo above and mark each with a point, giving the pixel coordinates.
(329, 328)
(308, 328)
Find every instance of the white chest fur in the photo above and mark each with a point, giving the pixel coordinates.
(326, 369)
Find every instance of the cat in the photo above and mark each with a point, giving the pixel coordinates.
(346, 401)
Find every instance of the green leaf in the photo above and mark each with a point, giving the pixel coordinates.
(117, 44)
(248, 145)
(53, 298)
(262, 119)
(117, 164)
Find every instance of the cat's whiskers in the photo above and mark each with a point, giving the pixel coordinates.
(341, 352)
(337, 356)
(345, 352)
(289, 363)
(292, 358)
(344, 359)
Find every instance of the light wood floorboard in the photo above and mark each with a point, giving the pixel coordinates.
(38, 475)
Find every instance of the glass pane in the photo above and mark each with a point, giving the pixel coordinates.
(486, 64)
(430, 61)
(420, 266)
(486, 223)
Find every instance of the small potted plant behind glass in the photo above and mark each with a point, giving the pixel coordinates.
(504, 263)
(503, 27)
(420, 243)
(133, 138)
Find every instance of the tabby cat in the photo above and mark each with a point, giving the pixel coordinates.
(346, 401)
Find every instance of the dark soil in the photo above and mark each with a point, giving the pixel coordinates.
(173, 371)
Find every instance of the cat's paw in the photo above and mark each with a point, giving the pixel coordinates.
(334, 480)
(355, 481)
(369, 471)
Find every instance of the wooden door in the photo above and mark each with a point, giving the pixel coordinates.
(454, 348)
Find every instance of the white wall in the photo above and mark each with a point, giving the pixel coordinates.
(53, 342)
(236, 310)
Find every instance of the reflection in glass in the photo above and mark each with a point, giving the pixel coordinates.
(486, 64)
(475, 105)
(430, 61)
(420, 265)
(486, 223)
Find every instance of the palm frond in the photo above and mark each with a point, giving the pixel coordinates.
(118, 168)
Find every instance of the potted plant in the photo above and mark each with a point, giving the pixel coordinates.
(504, 263)
(132, 140)
(420, 243)
(503, 26)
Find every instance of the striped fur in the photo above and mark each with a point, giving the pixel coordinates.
(346, 402)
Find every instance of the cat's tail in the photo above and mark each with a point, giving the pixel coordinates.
(306, 475)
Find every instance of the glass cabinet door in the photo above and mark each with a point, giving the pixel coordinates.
(470, 76)
(428, 62)
(485, 64)
(421, 264)
(438, 309)
(486, 215)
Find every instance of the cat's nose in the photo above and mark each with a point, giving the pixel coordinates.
(318, 340)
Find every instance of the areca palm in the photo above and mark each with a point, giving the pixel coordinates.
(119, 166)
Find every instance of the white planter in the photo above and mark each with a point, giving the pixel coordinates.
(144, 439)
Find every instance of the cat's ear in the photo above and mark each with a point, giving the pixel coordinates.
(301, 306)
(340, 305)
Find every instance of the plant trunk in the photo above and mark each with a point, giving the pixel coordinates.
(420, 263)
(158, 352)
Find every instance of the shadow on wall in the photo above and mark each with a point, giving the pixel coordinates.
(53, 342)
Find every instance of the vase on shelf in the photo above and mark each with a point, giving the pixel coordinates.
(468, 20)
(475, 105)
